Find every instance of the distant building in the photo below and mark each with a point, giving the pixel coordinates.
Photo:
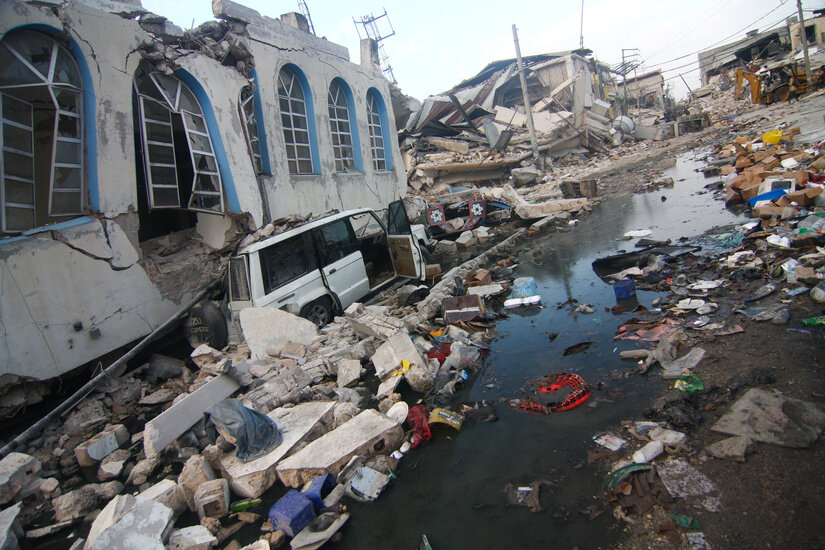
(645, 90)
(753, 47)
(814, 31)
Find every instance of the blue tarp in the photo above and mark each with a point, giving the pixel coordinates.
(769, 196)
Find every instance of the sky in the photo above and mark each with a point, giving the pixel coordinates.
(437, 44)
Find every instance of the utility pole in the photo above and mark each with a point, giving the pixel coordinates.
(581, 29)
(803, 37)
(528, 107)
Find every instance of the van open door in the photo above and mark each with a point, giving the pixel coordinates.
(407, 257)
(239, 296)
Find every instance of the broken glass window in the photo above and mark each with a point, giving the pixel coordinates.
(41, 101)
(250, 126)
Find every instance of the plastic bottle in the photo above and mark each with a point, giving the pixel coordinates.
(648, 452)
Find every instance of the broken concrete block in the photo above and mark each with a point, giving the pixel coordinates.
(146, 526)
(482, 234)
(205, 355)
(166, 492)
(80, 502)
(446, 248)
(297, 424)
(174, 421)
(268, 329)
(10, 529)
(195, 472)
(212, 499)
(733, 448)
(196, 537)
(293, 350)
(366, 434)
(162, 367)
(226, 9)
(111, 514)
(466, 239)
(388, 356)
(770, 417)
(348, 372)
(276, 391)
(110, 470)
(260, 544)
(102, 445)
(17, 471)
(369, 322)
(142, 470)
(509, 117)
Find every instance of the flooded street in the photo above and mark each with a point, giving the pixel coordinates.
(451, 489)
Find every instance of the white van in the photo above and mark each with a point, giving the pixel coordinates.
(320, 268)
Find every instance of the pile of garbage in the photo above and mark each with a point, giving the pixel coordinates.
(769, 173)
(183, 454)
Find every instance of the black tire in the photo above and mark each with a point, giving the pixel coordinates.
(425, 253)
(206, 325)
(318, 311)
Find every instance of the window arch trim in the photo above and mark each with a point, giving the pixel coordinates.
(385, 125)
(358, 158)
(310, 113)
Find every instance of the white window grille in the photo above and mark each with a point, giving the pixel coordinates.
(379, 159)
(40, 87)
(250, 126)
(165, 100)
(295, 123)
(340, 128)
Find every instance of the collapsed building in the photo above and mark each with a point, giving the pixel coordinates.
(133, 151)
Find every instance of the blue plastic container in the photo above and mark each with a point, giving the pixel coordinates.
(625, 289)
(292, 513)
(318, 488)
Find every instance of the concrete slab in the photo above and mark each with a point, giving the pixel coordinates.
(174, 421)
(389, 355)
(366, 434)
(267, 329)
(145, 527)
(297, 425)
(17, 470)
(166, 492)
(10, 529)
(348, 371)
(196, 537)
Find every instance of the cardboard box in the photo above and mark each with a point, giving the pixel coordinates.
(778, 211)
(479, 277)
(743, 162)
(770, 163)
(432, 270)
(750, 191)
(741, 140)
(728, 169)
(762, 155)
(739, 182)
(803, 197)
(463, 308)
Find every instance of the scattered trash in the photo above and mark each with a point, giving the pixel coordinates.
(609, 441)
(443, 416)
(254, 433)
(689, 383)
(617, 475)
(366, 484)
(577, 348)
(686, 522)
(763, 292)
(648, 452)
(524, 292)
(624, 289)
(577, 392)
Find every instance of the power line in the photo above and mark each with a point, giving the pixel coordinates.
(694, 24)
(747, 27)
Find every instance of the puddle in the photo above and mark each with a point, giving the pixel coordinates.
(452, 488)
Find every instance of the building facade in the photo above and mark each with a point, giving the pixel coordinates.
(133, 152)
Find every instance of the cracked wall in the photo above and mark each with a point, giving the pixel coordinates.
(49, 321)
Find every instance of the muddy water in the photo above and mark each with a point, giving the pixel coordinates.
(452, 488)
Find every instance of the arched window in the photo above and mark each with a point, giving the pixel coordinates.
(377, 122)
(295, 121)
(341, 127)
(180, 173)
(42, 174)
(250, 126)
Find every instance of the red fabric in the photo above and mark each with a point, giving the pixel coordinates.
(418, 416)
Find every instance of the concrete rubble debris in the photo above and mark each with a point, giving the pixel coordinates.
(166, 492)
(132, 524)
(17, 472)
(366, 434)
(196, 472)
(102, 445)
(196, 537)
(298, 424)
(174, 421)
(212, 498)
(267, 329)
(348, 372)
(733, 448)
(388, 364)
(85, 499)
(770, 417)
(10, 530)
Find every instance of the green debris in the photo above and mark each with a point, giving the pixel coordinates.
(689, 383)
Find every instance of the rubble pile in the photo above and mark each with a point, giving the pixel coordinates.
(321, 411)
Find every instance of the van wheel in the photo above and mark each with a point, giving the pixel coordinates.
(206, 325)
(319, 312)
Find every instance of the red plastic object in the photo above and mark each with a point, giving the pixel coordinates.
(557, 381)
(440, 352)
(418, 417)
